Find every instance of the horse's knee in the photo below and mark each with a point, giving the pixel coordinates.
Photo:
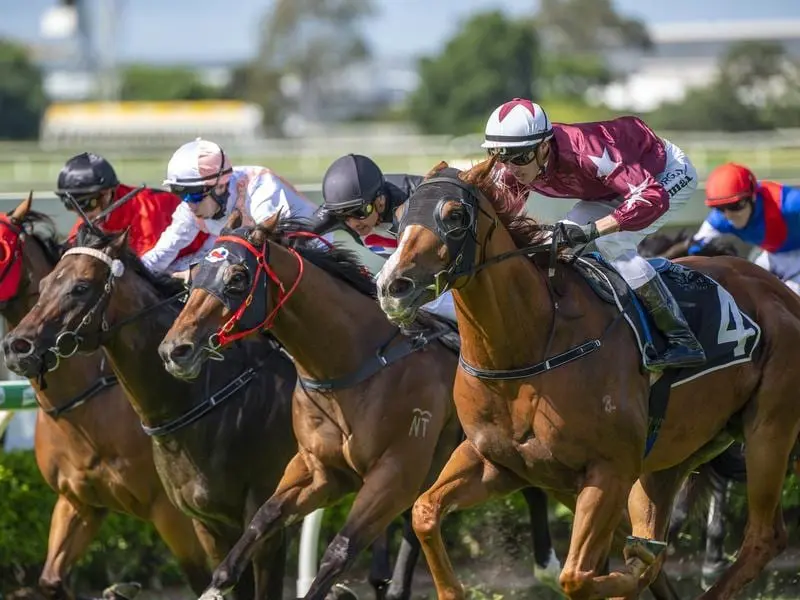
(424, 517)
(574, 583)
(52, 587)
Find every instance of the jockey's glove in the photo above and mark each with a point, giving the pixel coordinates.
(572, 235)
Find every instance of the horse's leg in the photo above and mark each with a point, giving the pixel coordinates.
(217, 544)
(389, 488)
(380, 573)
(299, 492)
(407, 557)
(72, 528)
(178, 533)
(715, 561)
(768, 442)
(598, 512)
(466, 480)
(546, 566)
(269, 566)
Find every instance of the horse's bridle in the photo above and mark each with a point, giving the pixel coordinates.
(462, 241)
(256, 262)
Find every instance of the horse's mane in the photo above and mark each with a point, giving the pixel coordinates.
(41, 227)
(164, 284)
(524, 230)
(337, 260)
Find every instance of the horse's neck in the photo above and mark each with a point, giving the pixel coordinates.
(329, 328)
(156, 396)
(504, 314)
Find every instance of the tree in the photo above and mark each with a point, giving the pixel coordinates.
(489, 61)
(586, 27)
(143, 82)
(571, 76)
(22, 98)
(309, 41)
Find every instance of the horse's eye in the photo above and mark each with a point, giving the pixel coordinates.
(237, 278)
(79, 289)
(456, 215)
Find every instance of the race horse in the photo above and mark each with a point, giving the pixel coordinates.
(373, 411)
(551, 389)
(89, 445)
(220, 443)
(363, 422)
(713, 479)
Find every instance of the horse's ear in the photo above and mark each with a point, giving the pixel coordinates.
(479, 173)
(234, 219)
(19, 213)
(437, 169)
(118, 243)
(269, 225)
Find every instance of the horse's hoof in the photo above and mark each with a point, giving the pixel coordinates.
(712, 571)
(549, 574)
(122, 591)
(341, 592)
(212, 594)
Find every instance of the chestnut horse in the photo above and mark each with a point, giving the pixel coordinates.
(220, 443)
(89, 444)
(542, 406)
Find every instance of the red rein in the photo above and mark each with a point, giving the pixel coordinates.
(224, 335)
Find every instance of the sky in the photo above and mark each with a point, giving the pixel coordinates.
(207, 30)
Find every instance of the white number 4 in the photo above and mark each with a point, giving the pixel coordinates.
(738, 333)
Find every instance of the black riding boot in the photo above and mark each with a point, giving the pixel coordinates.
(683, 349)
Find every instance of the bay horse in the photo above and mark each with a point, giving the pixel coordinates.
(382, 432)
(220, 443)
(541, 405)
(89, 445)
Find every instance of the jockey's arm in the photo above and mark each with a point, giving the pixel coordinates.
(180, 233)
(704, 235)
(644, 200)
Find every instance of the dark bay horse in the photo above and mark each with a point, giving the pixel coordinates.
(89, 444)
(220, 443)
(383, 432)
(581, 426)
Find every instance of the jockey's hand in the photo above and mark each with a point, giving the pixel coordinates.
(184, 276)
(572, 235)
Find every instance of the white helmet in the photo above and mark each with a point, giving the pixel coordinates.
(517, 124)
(198, 163)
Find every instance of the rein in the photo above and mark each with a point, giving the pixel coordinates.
(464, 267)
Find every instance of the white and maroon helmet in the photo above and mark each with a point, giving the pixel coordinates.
(519, 123)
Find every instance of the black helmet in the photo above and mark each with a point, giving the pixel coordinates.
(86, 174)
(351, 181)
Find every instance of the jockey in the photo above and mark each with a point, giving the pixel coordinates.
(360, 199)
(92, 182)
(763, 213)
(201, 174)
(629, 182)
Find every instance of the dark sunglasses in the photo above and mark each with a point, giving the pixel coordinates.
(361, 212)
(519, 158)
(736, 206)
(85, 202)
(190, 194)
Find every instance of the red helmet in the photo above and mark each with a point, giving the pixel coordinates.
(728, 184)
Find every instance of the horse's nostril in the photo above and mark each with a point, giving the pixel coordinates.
(181, 351)
(400, 287)
(21, 346)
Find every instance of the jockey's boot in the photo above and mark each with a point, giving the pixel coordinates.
(683, 349)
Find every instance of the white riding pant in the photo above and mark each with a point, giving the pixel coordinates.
(784, 265)
(620, 249)
(442, 307)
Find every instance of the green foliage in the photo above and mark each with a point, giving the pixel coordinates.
(491, 59)
(124, 549)
(144, 82)
(22, 99)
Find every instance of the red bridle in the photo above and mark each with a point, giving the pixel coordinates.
(224, 335)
